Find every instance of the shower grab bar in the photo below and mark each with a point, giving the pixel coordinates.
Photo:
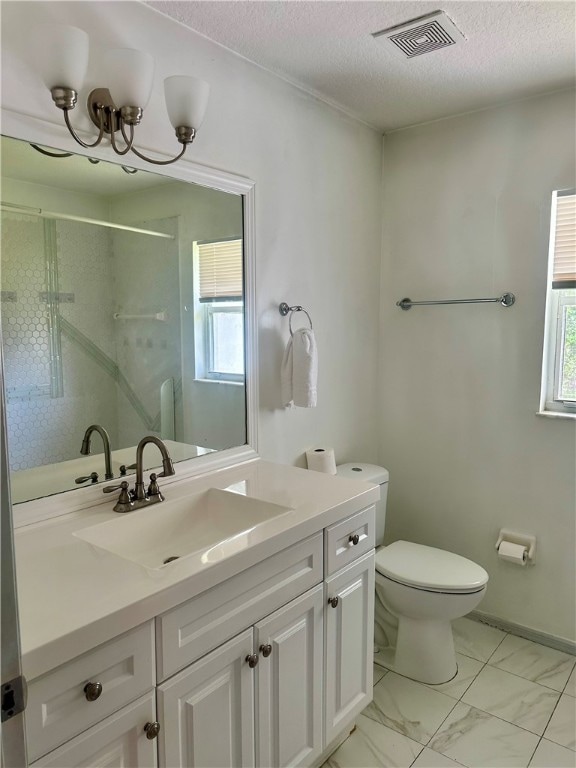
(162, 316)
(507, 300)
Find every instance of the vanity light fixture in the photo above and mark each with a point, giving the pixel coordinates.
(62, 56)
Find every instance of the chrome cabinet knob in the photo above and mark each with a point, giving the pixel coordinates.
(152, 730)
(92, 691)
(252, 660)
(266, 650)
(333, 601)
(354, 539)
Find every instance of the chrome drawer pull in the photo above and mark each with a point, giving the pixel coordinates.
(354, 539)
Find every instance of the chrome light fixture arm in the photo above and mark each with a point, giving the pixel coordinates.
(109, 119)
(73, 133)
(162, 162)
(128, 141)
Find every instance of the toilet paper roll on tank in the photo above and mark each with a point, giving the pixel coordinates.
(321, 460)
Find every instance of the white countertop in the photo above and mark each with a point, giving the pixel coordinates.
(73, 596)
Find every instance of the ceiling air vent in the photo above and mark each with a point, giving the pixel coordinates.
(423, 34)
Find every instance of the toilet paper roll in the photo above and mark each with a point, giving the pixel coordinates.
(321, 460)
(513, 553)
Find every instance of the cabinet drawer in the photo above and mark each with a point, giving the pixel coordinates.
(340, 549)
(116, 742)
(194, 628)
(57, 705)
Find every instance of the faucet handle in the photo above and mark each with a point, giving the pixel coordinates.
(124, 503)
(124, 468)
(111, 488)
(93, 476)
(153, 489)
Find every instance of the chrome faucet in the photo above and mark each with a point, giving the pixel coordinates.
(129, 500)
(85, 450)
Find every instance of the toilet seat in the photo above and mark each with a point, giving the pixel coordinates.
(430, 569)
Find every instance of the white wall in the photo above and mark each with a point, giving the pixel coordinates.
(317, 174)
(466, 214)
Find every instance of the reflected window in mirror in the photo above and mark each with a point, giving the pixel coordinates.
(219, 308)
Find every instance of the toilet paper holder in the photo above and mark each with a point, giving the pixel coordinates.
(523, 539)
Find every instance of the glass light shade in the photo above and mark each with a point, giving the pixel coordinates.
(61, 55)
(186, 100)
(128, 75)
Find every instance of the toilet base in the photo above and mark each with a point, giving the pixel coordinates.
(425, 650)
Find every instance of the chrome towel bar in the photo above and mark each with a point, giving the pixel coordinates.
(506, 300)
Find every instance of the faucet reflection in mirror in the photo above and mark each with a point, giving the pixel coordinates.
(62, 55)
(85, 450)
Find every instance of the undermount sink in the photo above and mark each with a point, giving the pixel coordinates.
(214, 524)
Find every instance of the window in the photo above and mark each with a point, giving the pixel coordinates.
(220, 310)
(559, 362)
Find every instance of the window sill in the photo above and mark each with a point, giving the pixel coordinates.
(557, 415)
(220, 381)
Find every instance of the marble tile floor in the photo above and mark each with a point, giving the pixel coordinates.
(513, 703)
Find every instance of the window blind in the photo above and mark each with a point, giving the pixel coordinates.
(220, 269)
(564, 256)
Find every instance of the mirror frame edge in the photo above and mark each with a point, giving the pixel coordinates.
(30, 129)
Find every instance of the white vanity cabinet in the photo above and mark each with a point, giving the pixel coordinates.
(289, 683)
(349, 619)
(207, 710)
(256, 700)
(264, 669)
(349, 644)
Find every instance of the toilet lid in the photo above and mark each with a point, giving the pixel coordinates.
(429, 568)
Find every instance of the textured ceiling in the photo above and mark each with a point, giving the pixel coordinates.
(512, 50)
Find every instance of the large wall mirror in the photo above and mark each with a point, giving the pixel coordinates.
(123, 306)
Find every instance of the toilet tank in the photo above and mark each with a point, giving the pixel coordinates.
(372, 474)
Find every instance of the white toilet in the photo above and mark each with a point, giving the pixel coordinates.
(424, 588)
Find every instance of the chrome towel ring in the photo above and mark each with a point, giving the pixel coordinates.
(284, 309)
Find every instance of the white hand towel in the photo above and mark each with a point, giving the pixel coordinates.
(286, 375)
(304, 368)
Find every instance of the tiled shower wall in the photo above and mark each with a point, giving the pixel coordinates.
(54, 389)
(69, 363)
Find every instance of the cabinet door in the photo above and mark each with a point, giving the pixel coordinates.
(349, 644)
(289, 683)
(118, 741)
(206, 711)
